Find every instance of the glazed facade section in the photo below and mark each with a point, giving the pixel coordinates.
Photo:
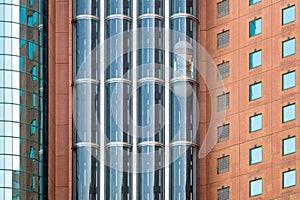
(23, 99)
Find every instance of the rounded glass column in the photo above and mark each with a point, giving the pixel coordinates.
(86, 99)
(23, 100)
(184, 99)
(151, 99)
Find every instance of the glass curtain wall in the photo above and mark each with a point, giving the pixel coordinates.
(23, 99)
(150, 99)
(118, 88)
(86, 112)
(184, 101)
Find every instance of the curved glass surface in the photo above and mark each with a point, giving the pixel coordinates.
(151, 112)
(151, 7)
(184, 6)
(151, 163)
(118, 178)
(86, 46)
(183, 172)
(115, 7)
(151, 48)
(87, 173)
(86, 7)
(23, 100)
(118, 112)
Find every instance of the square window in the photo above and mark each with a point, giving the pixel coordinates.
(255, 155)
(255, 187)
(223, 70)
(223, 101)
(223, 39)
(255, 91)
(224, 193)
(255, 27)
(289, 178)
(255, 59)
(223, 132)
(252, 2)
(255, 123)
(223, 164)
(288, 80)
(289, 146)
(289, 113)
(288, 47)
(288, 15)
(223, 8)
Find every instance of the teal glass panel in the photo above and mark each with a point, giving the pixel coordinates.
(255, 91)
(33, 100)
(289, 179)
(288, 80)
(288, 47)
(31, 50)
(33, 182)
(288, 15)
(255, 123)
(31, 154)
(22, 15)
(33, 73)
(289, 113)
(33, 127)
(255, 27)
(32, 19)
(289, 146)
(255, 187)
(255, 155)
(31, 3)
(255, 59)
(22, 43)
(21, 64)
(252, 2)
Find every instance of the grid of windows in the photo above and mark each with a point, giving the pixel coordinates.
(289, 145)
(288, 15)
(223, 70)
(256, 187)
(255, 155)
(255, 59)
(255, 123)
(255, 91)
(223, 164)
(288, 80)
(223, 8)
(223, 133)
(223, 101)
(289, 178)
(223, 39)
(252, 2)
(288, 113)
(255, 27)
(288, 47)
(224, 193)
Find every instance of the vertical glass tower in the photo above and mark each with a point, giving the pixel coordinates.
(23, 99)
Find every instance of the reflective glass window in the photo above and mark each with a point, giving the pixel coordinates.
(32, 19)
(255, 59)
(33, 72)
(289, 113)
(289, 178)
(32, 127)
(33, 100)
(288, 80)
(151, 7)
(252, 2)
(256, 187)
(255, 123)
(31, 50)
(288, 15)
(31, 153)
(118, 7)
(289, 146)
(255, 91)
(256, 155)
(22, 15)
(184, 6)
(255, 27)
(288, 47)
(33, 182)
(87, 7)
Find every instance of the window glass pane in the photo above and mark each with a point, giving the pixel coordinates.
(256, 123)
(289, 113)
(255, 91)
(34, 100)
(288, 15)
(288, 47)
(31, 154)
(33, 72)
(252, 2)
(255, 59)
(255, 155)
(289, 146)
(255, 27)
(32, 127)
(256, 187)
(288, 80)
(289, 178)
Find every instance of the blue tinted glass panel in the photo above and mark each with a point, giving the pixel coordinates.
(289, 179)
(34, 100)
(255, 27)
(33, 182)
(252, 2)
(256, 123)
(255, 59)
(255, 187)
(33, 72)
(255, 155)
(255, 91)
(22, 15)
(288, 47)
(289, 146)
(31, 3)
(289, 113)
(32, 127)
(31, 50)
(31, 154)
(22, 43)
(288, 15)
(288, 80)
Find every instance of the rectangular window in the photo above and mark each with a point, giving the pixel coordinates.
(255, 91)
(289, 178)
(223, 132)
(255, 27)
(223, 70)
(256, 187)
(289, 146)
(288, 113)
(288, 47)
(223, 8)
(223, 101)
(252, 2)
(223, 164)
(255, 155)
(288, 15)
(255, 123)
(255, 59)
(224, 193)
(288, 80)
(223, 39)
